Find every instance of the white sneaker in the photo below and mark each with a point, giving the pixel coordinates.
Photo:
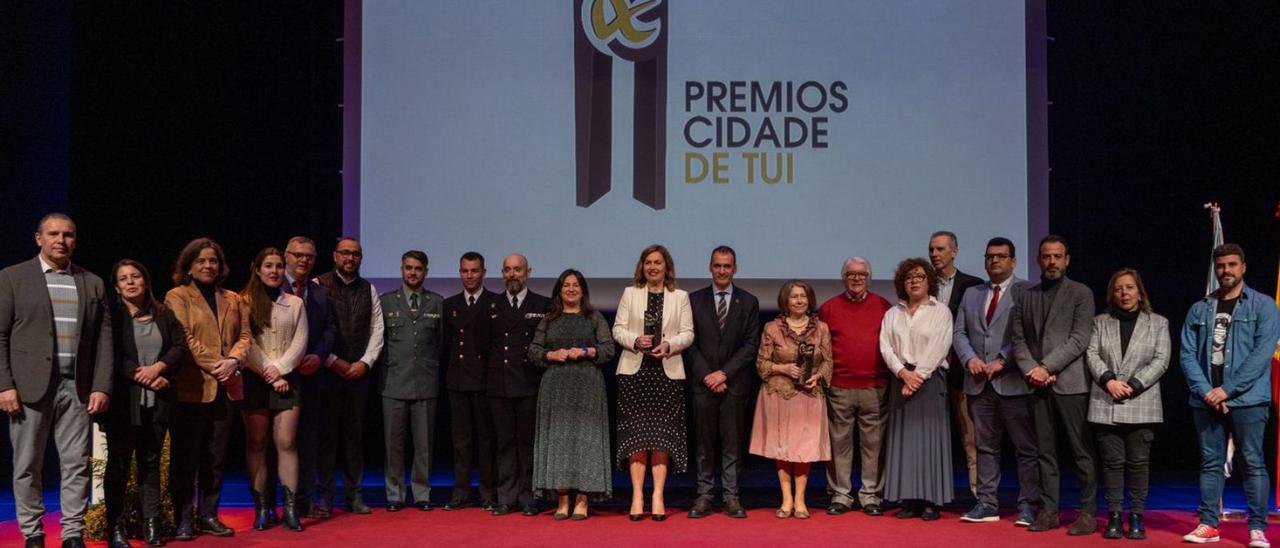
(1203, 534)
(1258, 539)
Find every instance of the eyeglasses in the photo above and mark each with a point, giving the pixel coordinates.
(916, 277)
(857, 275)
(997, 256)
(349, 253)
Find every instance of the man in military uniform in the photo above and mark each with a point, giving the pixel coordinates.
(466, 331)
(410, 378)
(511, 384)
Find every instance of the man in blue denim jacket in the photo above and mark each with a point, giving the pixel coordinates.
(1227, 342)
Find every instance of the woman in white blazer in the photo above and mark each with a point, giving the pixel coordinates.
(653, 325)
(271, 398)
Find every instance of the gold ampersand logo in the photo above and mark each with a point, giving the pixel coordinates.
(619, 22)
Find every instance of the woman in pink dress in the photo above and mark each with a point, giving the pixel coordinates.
(791, 414)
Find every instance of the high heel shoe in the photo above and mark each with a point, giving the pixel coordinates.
(290, 518)
(635, 517)
(259, 511)
(659, 517)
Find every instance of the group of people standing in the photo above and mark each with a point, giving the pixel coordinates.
(527, 400)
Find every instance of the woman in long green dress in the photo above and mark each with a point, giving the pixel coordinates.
(571, 444)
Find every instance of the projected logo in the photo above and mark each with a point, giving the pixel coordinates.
(634, 31)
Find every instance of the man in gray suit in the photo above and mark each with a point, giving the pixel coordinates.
(1052, 323)
(996, 390)
(55, 371)
(410, 378)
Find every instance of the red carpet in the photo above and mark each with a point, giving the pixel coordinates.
(473, 527)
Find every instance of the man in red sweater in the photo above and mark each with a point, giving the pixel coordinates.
(857, 391)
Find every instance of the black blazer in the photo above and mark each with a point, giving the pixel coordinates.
(732, 350)
(956, 372)
(466, 341)
(510, 373)
(173, 352)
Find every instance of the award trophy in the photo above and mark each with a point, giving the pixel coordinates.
(804, 357)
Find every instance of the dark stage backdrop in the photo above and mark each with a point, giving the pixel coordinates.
(224, 120)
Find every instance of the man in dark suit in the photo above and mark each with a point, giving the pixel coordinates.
(299, 260)
(943, 248)
(466, 332)
(1052, 323)
(996, 389)
(511, 384)
(726, 326)
(409, 379)
(55, 371)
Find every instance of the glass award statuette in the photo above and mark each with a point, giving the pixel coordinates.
(804, 358)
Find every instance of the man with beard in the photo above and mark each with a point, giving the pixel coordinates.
(299, 259)
(952, 284)
(1052, 323)
(1227, 342)
(511, 384)
(409, 380)
(357, 315)
(466, 331)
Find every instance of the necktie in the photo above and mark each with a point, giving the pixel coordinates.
(413, 303)
(995, 299)
(515, 302)
(471, 299)
(297, 289)
(722, 309)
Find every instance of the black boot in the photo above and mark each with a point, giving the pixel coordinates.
(290, 518)
(259, 511)
(118, 537)
(269, 501)
(151, 532)
(1115, 526)
(1136, 530)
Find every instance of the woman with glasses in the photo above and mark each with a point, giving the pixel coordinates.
(915, 337)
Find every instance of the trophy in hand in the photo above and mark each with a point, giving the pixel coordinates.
(651, 329)
(804, 358)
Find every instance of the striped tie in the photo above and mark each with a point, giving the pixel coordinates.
(722, 309)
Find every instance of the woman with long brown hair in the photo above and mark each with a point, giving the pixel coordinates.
(271, 396)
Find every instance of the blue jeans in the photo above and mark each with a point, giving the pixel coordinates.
(1247, 425)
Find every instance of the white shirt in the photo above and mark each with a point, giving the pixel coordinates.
(728, 297)
(521, 295)
(945, 286)
(1004, 293)
(922, 339)
(471, 298)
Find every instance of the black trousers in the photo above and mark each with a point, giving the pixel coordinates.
(472, 424)
(310, 416)
(342, 404)
(993, 415)
(1125, 450)
(720, 420)
(123, 441)
(198, 455)
(1068, 414)
(514, 422)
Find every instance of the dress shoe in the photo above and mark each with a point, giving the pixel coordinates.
(1085, 524)
(456, 504)
(659, 517)
(488, 505)
(357, 506)
(151, 532)
(635, 517)
(930, 513)
(529, 511)
(560, 516)
(34, 542)
(701, 508)
(782, 514)
(501, 509)
(801, 514)
(118, 538)
(578, 517)
(290, 518)
(733, 508)
(873, 509)
(320, 511)
(73, 542)
(423, 505)
(1115, 526)
(215, 527)
(908, 511)
(838, 508)
(1046, 521)
(395, 506)
(1136, 529)
(184, 531)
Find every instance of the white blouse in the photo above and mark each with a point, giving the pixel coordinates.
(922, 340)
